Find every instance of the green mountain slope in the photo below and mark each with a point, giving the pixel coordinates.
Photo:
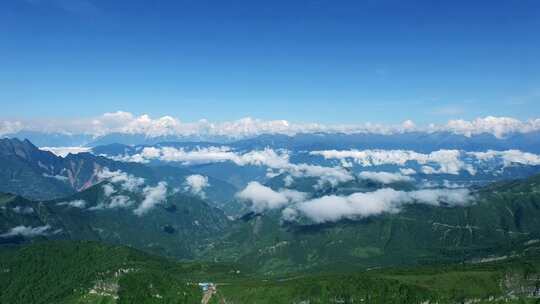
(41, 175)
(178, 227)
(88, 272)
(65, 272)
(503, 220)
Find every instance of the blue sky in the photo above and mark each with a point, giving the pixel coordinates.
(325, 61)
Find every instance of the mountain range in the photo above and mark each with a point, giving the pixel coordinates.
(502, 218)
(41, 175)
(57, 205)
(418, 141)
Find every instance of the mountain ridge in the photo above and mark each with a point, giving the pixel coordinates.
(419, 141)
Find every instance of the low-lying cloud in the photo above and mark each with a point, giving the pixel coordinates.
(276, 160)
(152, 197)
(264, 198)
(438, 162)
(81, 204)
(27, 231)
(57, 177)
(385, 177)
(127, 181)
(359, 205)
(447, 161)
(330, 208)
(508, 157)
(196, 184)
(23, 210)
(120, 201)
(208, 155)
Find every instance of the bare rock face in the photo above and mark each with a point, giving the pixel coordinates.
(38, 174)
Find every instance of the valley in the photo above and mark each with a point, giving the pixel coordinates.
(269, 152)
(172, 224)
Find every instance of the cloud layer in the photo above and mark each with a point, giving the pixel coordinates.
(81, 204)
(358, 205)
(437, 162)
(151, 195)
(508, 157)
(126, 181)
(27, 231)
(264, 198)
(447, 161)
(385, 177)
(331, 208)
(128, 123)
(196, 184)
(409, 163)
(278, 161)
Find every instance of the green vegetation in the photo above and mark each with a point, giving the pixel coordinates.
(176, 228)
(88, 272)
(423, 253)
(504, 220)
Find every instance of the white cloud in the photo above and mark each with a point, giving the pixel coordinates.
(108, 190)
(266, 157)
(429, 184)
(288, 181)
(407, 171)
(128, 123)
(197, 156)
(58, 177)
(508, 157)
(196, 183)
(9, 127)
(113, 202)
(498, 126)
(23, 210)
(454, 197)
(75, 204)
(120, 201)
(125, 122)
(152, 197)
(326, 175)
(278, 160)
(333, 208)
(429, 170)
(264, 198)
(451, 185)
(26, 231)
(447, 161)
(384, 177)
(126, 181)
(64, 151)
(289, 214)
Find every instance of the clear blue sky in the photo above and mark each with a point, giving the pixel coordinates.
(326, 61)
